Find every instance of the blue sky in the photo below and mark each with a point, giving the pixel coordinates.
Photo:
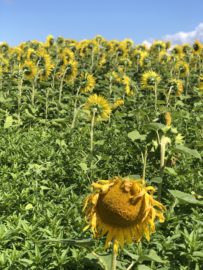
(22, 20)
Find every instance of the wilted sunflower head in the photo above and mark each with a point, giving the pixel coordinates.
(99, 106)
(150, 79)
(123, 209)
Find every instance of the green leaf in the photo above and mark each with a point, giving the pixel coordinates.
(170, 171)
(185, 198)
(103, 260)
(135, 257)
(198, 254)
(143, 267)
(83, 166)
(8, 121)
(152, 256)
(156, 126)
(135, 135)
(157, 180)
(29, 206)
(186, 150)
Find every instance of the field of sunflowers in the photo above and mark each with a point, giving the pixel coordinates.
(101, 155)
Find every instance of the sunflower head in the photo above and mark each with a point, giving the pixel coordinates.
(117, 103)
(150, 79)
(177, 86)
(98, 105)
(123, 209)
(4, 47)
(158, 45)
(168, 118)
(29, 70)
(87, 82)
(182, 68)
(49, 41)
(197, 47)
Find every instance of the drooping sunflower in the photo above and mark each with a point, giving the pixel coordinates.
(99, 105)
(87, 82)
(29, 70)
(123, 209)
(150, 79)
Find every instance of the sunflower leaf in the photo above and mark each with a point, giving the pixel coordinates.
(135, 135)
(186, 150)
(185, 198)
(143, 267)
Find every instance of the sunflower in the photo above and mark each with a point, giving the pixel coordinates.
(4, 47)
(117, 103)
(168, 118)
(67, 55)
(69, 71)
(150, 79)
(158, 45)
(49, 41)
(45, 64)
(87, 82)
(4, 64)
(201, 83)
(197, 47)
(99, 105)
(182, 68)
(127, 84)
(139, 56)
(123, 209)
(176, 85)
(29, 70)
(163, 57)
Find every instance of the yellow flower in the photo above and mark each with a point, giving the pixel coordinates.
(163, 57)
(149, 80)
(117, 103)
(67, 55)
(49, 41)
(176, 85)
(197, 47)
(158, 45)
(139, 56)
(87, 83)
(123, 209)
(44, 64)
(182, 68)
(99, 105)
(168, 118)
(4, 47)
(69, 71)
(127, 84)
(29, 70)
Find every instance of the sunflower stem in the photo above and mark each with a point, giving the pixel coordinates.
(20, 86)
(114, 255)
(61, 86)
(75, 112)
(47, 103)
(144, 161)
(155, 99)
(92, 131)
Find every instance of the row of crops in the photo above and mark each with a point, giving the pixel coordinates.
(73, 112)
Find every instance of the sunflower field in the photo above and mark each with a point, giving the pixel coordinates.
(101, 149)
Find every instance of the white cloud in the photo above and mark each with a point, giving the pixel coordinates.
(181, 37)
(186, 37)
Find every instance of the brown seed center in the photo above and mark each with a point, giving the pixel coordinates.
(116, 207)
